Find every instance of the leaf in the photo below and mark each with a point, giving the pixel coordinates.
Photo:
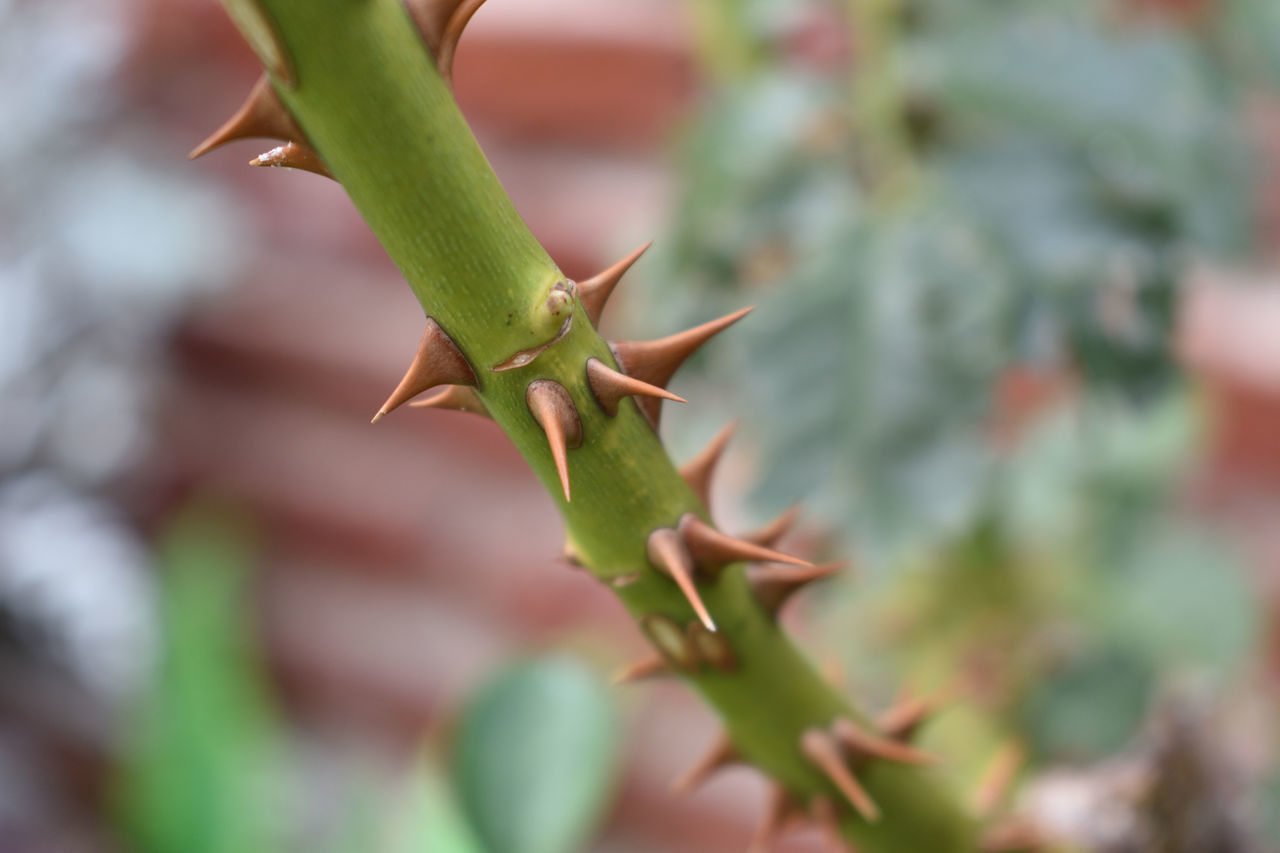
(206, 750)
(534, 760)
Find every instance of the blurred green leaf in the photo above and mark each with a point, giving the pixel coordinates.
(1088, 706)
(534, 759)
(201, 774)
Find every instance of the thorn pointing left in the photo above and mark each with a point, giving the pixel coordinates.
(262, 115)
(437, 362)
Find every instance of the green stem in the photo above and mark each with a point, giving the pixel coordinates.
(359, 82)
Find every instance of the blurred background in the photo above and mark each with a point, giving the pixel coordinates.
(1018, 354)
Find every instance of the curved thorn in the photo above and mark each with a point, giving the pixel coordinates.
(720, 754)
(769, 535)
(670, 556)
(553, 409)
(437, 362)
(291, 155)
(775, 585)
(711, 548)
(657, 361)
(862, 742)
(610, 387)
(825, 753)
(452, 34)
(262, 115)
(595, 291)
(650, 667)
(458, 398)
(697, 472)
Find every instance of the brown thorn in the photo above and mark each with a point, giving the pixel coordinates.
(656, 362)
(697, 471)
(437, 362)
(769, 535)
(720, 754)
(291, 155)
(711, 548)
(774, 585)
(650, 667)
(866, 743)
(261, 116)
(458, 398)
(595, 291)
(824, 751)
(452, 33)
(997, 779)
(901, 720)
(669, 555)
(553, 409)
(610, 387)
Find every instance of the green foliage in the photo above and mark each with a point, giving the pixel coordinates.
(203, 767)
(1070, 166)
(534, 758)
(1068, 163)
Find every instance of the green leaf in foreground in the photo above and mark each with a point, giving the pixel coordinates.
(534, 758)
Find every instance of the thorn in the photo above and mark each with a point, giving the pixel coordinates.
(262, 115)
(669, 555)
(452, 33)
(769, 535)
(778, 809)
(697, 471)
(553, 409)
(824, 813)
(720, 754)
(901, 720)
(711, 548)
(291, 155)
(774, 585)
(656, 362)
(595, 291)
(458, 398)
(609, 387)
(997, 779)
(437, 362)
(824, 751)
(645, 668)
(871, 745)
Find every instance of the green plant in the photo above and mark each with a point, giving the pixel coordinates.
(353, 95)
